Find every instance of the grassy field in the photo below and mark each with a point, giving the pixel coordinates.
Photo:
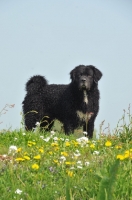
(52, 166)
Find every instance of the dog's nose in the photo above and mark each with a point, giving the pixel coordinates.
(83, 80)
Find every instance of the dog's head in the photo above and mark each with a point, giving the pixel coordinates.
(85, 76)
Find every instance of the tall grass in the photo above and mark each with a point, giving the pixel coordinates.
(53, 166)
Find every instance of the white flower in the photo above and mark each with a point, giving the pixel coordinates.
(77, 154)
(79, 167)
(62, 139)
(62, 159)
(87, 163)
(96, 153)
(79, 162)
(37, 124)
(12, 149)
(41, 136)
(85, 133)
(18, 191)
(52, 132)
(47, 139)
(82, 140)
(67, 140)
(23, 133)
(55, 138)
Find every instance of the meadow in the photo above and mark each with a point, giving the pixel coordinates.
(52, 166)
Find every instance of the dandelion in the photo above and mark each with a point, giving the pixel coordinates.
(41, 150)
(38, 157)
(68, 163)
(70, 173)
(19, 159)
(26, 157)
(118, 147)
(55, 161)
(30, 143)
(92, 146)
(108, 143)
(67, 144)
(18, 191)
(35, 166)
(54, 144)
(64, 154)
(19, 149)
(120, 157)
(50, 152)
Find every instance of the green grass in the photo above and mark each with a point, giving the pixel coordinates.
(59, 167)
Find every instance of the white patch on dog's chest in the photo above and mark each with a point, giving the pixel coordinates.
(85, 97)
(83, 116)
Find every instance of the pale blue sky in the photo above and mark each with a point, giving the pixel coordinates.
(52, 37)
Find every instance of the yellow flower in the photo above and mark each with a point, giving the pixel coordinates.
(41, 150)
(38, 157)
(26, 157)
(75, 143)
(64, 154)
(50, 152)
(35, 166)
(108, 143)
(120, 157)
(19, 159)
(69, 163)
(54, 144)
(92, 146)
(56, 148)
(70, 173)
(67, 144)
(30, 143)
(55, 161)
(118, 147)
(19, 149)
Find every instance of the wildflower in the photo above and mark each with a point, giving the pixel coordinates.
(54, 144)
(108, 143)
(26, 157)
(64, 154)
(38, 157)
(118, 147)
(120, 157)
(62, 139)
(56, 148)
(68, 163)
(41, 136)
(77, 153)
(55, 161)
(18, 191)
(79, 162)
(85, 133)
(79, 167)
(19, 159)
(92, 146)
(19, 149)
(23, 133)
(30, 143)
(35, 166)
(12, 149)
(50, 152)
(96, 153)
(47, 139)
(41, 150)
(37, 124)
(62, 159)
(87, 163)
(70, 173)
(67, 144)
(52, 132)
(55, 139)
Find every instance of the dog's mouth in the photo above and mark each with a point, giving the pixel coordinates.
(84, 87)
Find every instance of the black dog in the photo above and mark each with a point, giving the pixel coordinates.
(75, 104)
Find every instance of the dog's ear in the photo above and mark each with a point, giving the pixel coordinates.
(72, 75)
(97, 74)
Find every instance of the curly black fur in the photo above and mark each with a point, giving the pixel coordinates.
(74, 104)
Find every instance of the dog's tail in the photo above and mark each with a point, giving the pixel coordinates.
(35, 84)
